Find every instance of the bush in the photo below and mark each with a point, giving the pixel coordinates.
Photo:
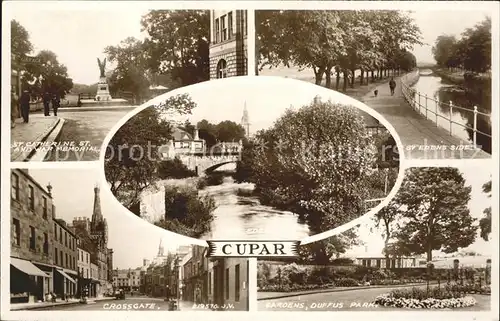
(213, 179)
(322, 275)
(186, 213)
(434, 298)
(244, 192)
(343, 261)
(346, 282)
(174, 169)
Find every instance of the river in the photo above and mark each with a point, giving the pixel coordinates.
(436, 87)
(236, 217)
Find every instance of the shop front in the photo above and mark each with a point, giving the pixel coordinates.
(28, 282)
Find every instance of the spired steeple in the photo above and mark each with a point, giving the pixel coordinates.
(97, 214)
(160, 248)
(245, 120)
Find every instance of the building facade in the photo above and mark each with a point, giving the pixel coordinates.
(383, 263)
(228, 43)
(65, 259)
(32, 238)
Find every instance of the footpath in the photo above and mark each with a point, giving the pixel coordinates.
(279, 295)
(43, 305)
(39, 129)
(416, 131)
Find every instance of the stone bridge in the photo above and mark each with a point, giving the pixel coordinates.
(203, 165)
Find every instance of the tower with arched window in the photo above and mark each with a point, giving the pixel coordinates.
(228, 43)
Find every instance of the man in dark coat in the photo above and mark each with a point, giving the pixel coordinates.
(25, 105)
(46, 101)
(56, 101)
(392, 86)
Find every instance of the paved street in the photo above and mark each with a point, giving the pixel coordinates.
(358, 300)
(130, 303)
(91, 126)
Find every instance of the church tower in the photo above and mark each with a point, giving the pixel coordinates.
(245, 121)
(160, 249)
(98, 224)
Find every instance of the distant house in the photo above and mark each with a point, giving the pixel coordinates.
(381, 262)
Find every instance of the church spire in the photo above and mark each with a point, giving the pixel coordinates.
(160, 248)
(97, 214)
(245, 120)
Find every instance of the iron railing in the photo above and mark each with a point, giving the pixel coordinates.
(424, 105)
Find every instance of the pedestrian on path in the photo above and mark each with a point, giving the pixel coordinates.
(392, 86)
(46, 101)
(14, 109)
(56, 101)
(25, 105)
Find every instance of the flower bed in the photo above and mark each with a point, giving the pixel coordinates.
(434, 298)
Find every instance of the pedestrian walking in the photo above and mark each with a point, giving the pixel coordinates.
(46, 101)
(392, 86)
(56, 102)
(14, 109)
(25, 105)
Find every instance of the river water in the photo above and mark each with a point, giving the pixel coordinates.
(236, 217)
(437, 88)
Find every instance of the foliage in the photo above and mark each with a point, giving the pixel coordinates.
(186, 213)
(175, 169)
(178, 44)
(324, 251)
(130, 73)
(434, 298)
(471, 52)
(436, 215)
(211, 179)
(20, 44)
(485, 221)
(132, 153)
(48, 75)
(343, 40)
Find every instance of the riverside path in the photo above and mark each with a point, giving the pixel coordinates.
(421, 138)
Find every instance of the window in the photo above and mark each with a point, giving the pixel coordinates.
(244, 22)
(74, 263)
(87, 257)
(15, 187)
(17, 231)
(378, 263)
(56, 257)
(55, 231)
(217, 30)
(32, 238)
(223, 28)
(222, 69)
(230, 24)
(237, 283)
(61, 256)
(227, 284)
(67, 261)
(80, 255)
(45, 243)
(44, 207)
(60, 234)
(65, 238)
(31, 197)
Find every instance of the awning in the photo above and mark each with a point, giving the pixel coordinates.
(70, 272)
(27, 267)
(66, 276)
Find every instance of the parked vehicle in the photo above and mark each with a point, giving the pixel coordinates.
(120, 295)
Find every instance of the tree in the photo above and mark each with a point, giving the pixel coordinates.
(130, 73)
(47, 75)
(385, 219)
(229, 131)
(435, 213)
(178, 44)
(133, 153)
(322, 252)
(443, 50)
(20, 44)
(485, 221)
(314, 162)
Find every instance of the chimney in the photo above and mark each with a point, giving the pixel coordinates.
(49, 189)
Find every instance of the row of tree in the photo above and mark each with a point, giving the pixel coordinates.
(174, 53)
(41, 73)
(224, 131)
(337, 42)
(430, 212)
(471, 52)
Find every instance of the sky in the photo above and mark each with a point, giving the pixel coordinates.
(475, 176)
(225, 100)
(131, 238)
(79, 37)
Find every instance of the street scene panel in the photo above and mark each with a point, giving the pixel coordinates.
(427, 72)
(429, 248)
(68, 253)
(246, 164)
(65, 101)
